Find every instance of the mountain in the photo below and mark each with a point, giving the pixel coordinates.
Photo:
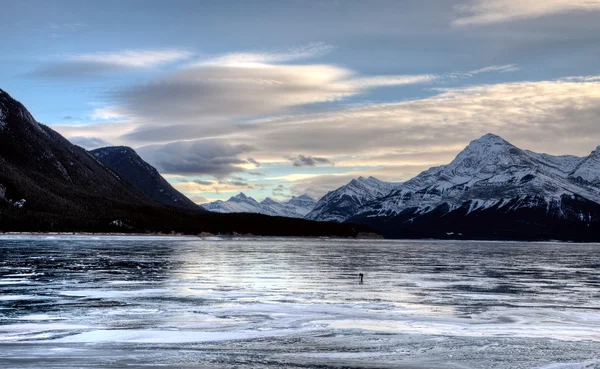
(492, 189)
(346, 201)
(133, 169)
(296, 207)
(48, 174)
(49, 184)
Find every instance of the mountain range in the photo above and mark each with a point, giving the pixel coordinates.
(296, 207)
(492, 189)
(50, 184)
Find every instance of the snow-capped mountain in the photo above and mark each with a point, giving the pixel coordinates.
(340, 204)
(296, 207)
(490, 188)
(490, 172)
(133, 169)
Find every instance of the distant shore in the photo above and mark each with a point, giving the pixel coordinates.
(203, 235)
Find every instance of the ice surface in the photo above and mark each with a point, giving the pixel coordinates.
(72, 301)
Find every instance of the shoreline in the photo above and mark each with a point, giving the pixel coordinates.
(208, 237)
(179, 235)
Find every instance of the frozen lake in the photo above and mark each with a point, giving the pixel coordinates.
(282, 303)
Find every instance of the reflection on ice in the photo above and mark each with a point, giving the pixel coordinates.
(297, 303)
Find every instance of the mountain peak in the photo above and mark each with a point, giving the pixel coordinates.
(240, 196)
(268, 200)
(111, 150)
(488, 146)
(490, 139)
(12, 110)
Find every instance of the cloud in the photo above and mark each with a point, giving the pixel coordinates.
(199, 93)
(89, 143)
(256, 58)
(79, 65)
(112, 132)
(308, 161)
(201, 157)
(253, 161)
(212, 100)
(243, 86)
(393, 80)
(199, 199)
(279, 191)
(480, 12)
(256, 174)
(536, 115)
(235, 182)
(203, 187)
(133, 58)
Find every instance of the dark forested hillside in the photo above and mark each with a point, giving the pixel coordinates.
(133, 169)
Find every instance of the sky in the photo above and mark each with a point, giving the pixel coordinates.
(281, 98)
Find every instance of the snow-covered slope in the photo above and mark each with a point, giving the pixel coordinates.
(588, 169)
(344, 202)
(296, 207)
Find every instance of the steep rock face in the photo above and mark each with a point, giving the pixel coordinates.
(133, 169)
(296, 207)
(340, 204)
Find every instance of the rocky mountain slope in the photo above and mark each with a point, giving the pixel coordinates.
(296, 207)
(133, 169)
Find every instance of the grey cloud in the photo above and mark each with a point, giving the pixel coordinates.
(204, 129)
(253, 161)
(256, 174)
(235, 183)
(308, 161)
(278, 191)
(203, 183)
(93, 64)
(89, 143)
(76, 70)
(208, 157)
(218, 91)
(199, 199)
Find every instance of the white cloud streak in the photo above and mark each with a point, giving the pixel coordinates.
(259, 58)
(133, 58)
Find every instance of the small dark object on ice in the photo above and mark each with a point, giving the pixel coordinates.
(361, 277)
